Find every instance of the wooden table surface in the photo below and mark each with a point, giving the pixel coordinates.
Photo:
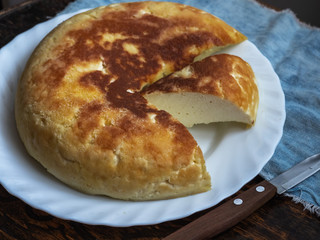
(278, 219)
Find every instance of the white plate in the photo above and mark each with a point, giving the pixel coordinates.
(234, 155)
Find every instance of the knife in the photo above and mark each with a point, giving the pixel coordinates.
(241, 206)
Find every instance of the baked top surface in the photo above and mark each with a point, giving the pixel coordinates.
(78, 102)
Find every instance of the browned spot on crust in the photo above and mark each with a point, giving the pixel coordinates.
(95, 78)
(178, 45)
(182, 135)
(88, 119)
(110, 137)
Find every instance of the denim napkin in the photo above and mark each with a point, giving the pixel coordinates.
(293, 48)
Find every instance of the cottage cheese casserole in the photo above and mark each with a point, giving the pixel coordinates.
(79, 107)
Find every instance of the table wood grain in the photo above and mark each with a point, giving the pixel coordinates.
(280, 218)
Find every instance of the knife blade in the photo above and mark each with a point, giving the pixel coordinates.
(233, 211)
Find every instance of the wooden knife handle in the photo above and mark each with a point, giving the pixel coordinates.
(226, 215)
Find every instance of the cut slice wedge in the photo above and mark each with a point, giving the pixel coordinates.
(218, 88)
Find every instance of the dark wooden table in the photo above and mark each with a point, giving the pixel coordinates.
(278, 219)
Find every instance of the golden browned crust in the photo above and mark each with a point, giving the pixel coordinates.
(78, 107)
(223, 75)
